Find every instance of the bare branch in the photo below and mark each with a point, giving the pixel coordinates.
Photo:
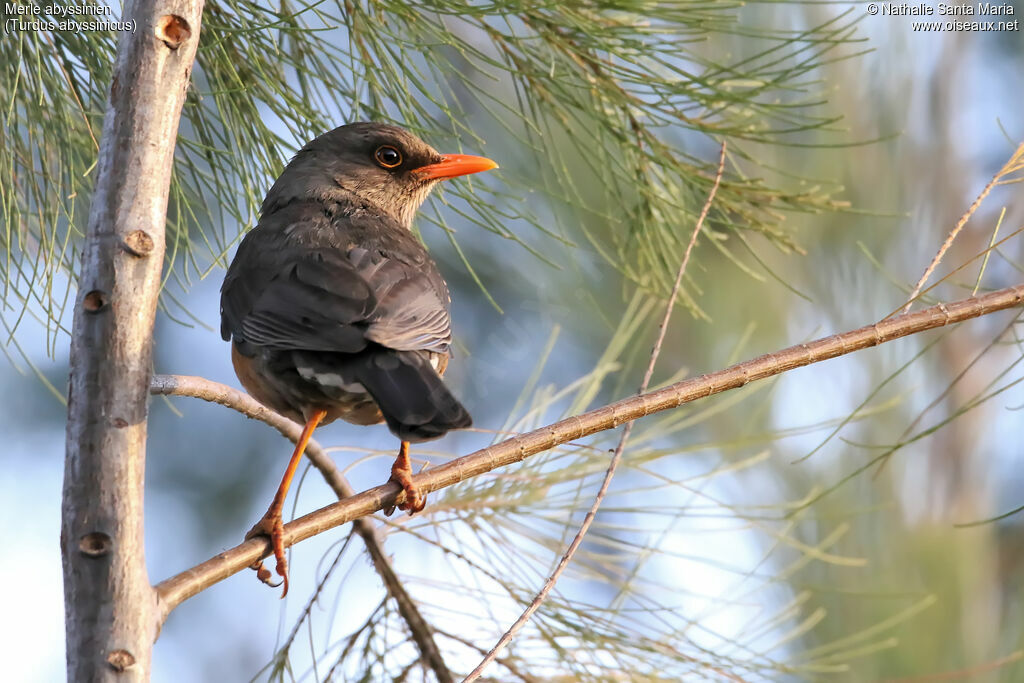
(1015, 163)
(179, 588)
(109, 604)
(214, 392)
(546, 589)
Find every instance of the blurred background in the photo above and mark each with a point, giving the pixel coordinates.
(835, 522)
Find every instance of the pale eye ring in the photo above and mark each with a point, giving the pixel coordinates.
(387, 156)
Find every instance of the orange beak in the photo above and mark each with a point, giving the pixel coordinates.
(454, 165)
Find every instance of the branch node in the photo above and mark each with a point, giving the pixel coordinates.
(95, 301)
(173, 30)
(95, 544)
(138, 243)
(121, 660)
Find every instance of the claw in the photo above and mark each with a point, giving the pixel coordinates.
(263, 574)
(271, 526)
(401, 474)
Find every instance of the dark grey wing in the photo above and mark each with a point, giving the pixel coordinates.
(412, 311)
(283, 295)
(304, 285)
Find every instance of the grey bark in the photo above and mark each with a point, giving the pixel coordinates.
(110, 607)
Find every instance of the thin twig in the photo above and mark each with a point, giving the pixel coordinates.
(542, 595)
(505, 662)
(207, 390)
(1015, 163)
(190, 582)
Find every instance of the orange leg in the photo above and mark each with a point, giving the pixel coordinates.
(401, 474)
(272, 525)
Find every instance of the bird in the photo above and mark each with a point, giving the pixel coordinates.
(335, 310)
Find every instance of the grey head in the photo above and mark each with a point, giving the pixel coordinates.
(377, 167)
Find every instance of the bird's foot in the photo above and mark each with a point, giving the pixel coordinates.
(414, 500)
(401, 474)
(271, 526)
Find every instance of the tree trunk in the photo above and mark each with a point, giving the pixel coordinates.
(110, 607)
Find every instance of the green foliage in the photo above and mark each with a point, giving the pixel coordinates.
(625, 97)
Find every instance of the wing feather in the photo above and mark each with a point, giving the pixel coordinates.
(307, 287)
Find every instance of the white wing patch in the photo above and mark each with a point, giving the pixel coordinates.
(331, 379)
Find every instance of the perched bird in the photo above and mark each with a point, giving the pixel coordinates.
(335, 309)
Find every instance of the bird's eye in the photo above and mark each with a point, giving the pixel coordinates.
(387, 156)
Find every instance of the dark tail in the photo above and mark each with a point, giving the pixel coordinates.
(411, 395)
